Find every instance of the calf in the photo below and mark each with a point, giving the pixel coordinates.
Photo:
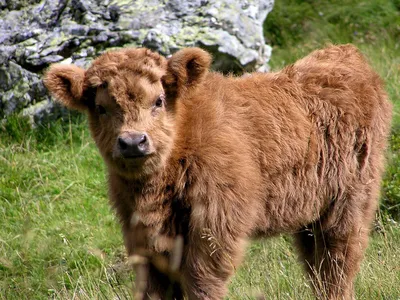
(221, 159)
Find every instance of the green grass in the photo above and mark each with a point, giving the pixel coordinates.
(59, 238)
(56, 227)
(271, 268)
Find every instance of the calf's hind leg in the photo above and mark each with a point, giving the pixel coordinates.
(332, 257)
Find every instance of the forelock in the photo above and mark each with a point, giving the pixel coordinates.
(139, 61)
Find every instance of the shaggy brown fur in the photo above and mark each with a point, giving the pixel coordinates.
(299, 151)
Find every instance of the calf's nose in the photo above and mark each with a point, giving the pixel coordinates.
(133, 144)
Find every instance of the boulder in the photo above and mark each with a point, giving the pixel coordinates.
(34, 34)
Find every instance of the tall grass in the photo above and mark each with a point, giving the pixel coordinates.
(59, 239)
(56, 229)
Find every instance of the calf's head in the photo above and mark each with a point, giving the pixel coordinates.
(131, 98)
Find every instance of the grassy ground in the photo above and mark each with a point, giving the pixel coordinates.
(59, 238)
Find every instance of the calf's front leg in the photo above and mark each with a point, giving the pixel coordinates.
(208, 264)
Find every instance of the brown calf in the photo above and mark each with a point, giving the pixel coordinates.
(195, 153)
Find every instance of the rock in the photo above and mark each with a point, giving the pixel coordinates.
(36, 33)
(42, 112)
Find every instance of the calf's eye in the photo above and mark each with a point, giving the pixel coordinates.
(160, 101)
(100, 110)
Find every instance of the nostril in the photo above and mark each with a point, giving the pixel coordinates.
(122, 143)
(142, 140)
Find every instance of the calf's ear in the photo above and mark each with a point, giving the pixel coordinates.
(186, 68)
(66, 84)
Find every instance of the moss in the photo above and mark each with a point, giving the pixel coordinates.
(58, 39)
(29, 42)
(139, 6)
(188, 34)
